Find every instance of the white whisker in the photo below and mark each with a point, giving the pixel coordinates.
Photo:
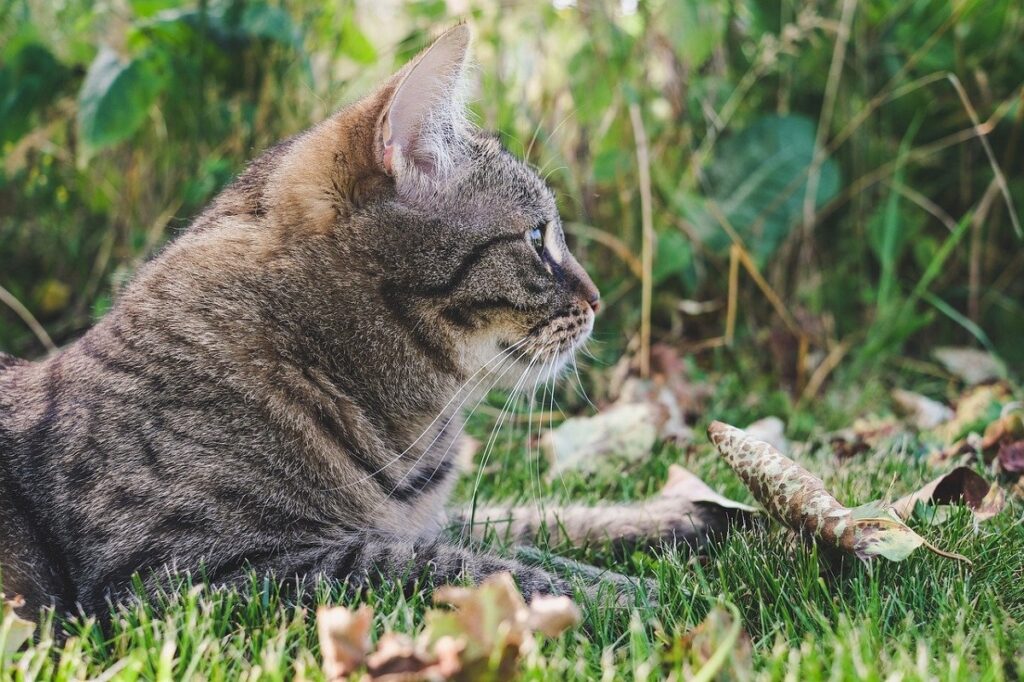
(506, 352)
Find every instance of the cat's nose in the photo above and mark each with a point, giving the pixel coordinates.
(595, 302)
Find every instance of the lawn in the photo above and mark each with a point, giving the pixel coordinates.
(808, 615)
(789, 194)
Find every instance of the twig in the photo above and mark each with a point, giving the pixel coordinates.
(821, 372)
(835, 72)
(999, 176)
(974, 264)
(609, 240)
(647, 237)
(924, 202)
(14, 304)
(734, 286)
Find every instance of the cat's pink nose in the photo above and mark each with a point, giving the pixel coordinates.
(595, 303)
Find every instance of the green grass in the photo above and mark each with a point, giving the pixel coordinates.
(809, 616)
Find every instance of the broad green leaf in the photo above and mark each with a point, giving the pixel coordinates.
(273, 23)
(695, 28)
(115, 98)
(147, 8)
(672, 257)
(758, 180)
(30, 80)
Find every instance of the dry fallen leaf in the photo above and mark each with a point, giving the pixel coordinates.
(961, 484)
(400, 658)
(718, 648)
(482, 637)
(971, 365)
(667, 370)
(551, 616)
(1011, 457)
(1017, 489)
(14, 630)
(344, 638)
(642, 412)
(798, 499)
(1007, 429)
(864, 434)
(771, 430)
(682, 483)
(976, 409)
(923, 412)
(623, 431)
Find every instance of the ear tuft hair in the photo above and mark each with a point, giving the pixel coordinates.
(424, 126)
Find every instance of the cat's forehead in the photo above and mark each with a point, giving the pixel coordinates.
(498, 182)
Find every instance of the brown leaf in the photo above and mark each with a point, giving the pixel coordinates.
(702, 648)
(682, 483)
(962, 484)
(399, 658)
(14, 630)
(798, 499)
(667, 371)
(495, 625)
(1008, 428)
(551, 616)
(1017, 489)
(973, 410)
(344, 639)
(865, 433)
(923, 412)
(771, 430)
(971, 365)
(627, 430)
(482, 637)
(960, 452)
(1011, 457)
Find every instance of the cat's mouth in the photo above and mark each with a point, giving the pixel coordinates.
(558, 337)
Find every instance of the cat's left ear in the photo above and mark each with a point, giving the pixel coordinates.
(423, 125)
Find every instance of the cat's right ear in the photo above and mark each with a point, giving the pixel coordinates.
(421, 129)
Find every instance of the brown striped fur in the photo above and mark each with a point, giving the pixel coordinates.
(257, 395)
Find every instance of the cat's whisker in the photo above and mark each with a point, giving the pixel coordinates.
(491, 439)
(548, 369)
(529, 439)
(553, 171)
(457, 436)
(568, 115)
(504, 354)
(483, 396)
(554, 379)
(579, 381)
(476, 407)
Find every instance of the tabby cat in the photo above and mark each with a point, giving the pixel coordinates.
(279, 390)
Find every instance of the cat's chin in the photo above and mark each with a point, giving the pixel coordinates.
(542, 366)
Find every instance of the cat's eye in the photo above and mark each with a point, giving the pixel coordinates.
(537, 238)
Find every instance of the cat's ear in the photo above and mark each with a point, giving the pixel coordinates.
(422, 126)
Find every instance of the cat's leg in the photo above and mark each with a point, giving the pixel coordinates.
(367, 560)
(660, 521)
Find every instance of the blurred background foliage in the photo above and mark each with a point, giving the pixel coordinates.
(818, 175)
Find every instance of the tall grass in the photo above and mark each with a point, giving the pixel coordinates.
(835, 142)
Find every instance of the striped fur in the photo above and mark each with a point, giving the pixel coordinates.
(280, 389)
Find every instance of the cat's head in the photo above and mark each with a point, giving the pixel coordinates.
(448, 235)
